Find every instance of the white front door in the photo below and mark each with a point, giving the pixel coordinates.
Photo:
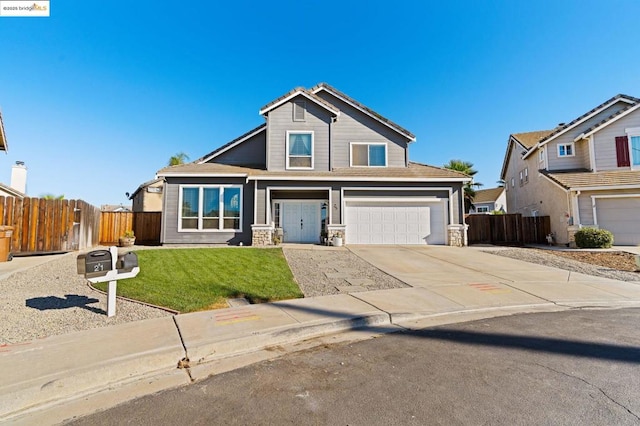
(301, 221)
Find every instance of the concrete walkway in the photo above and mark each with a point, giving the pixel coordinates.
(53, 379)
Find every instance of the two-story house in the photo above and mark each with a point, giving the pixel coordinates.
(582, 173)
(321, 165)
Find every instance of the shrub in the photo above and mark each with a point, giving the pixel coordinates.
(594, 238)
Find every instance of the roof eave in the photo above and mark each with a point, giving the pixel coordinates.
(275, 105)
(4, 146)
(612, 120)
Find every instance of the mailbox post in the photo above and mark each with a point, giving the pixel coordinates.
(106, 266)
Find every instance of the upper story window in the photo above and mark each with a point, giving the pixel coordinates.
(368, 154)
(299, 108)
(300, 150)
(210, 208)
(526, 174)
(565, 150)
(628, 148)
(521, 177)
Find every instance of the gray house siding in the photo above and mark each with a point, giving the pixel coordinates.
(578, 161)
(250, 153)
(170, 234)
(317, 119)
(355, 126)
(605, 141)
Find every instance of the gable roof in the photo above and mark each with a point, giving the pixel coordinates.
(144, 185)
(11, 191)
(488, 195)
(530, 139)
(371, 113)
(609, 120)
(237, 141)
(415, 172)
(299, 91)
(583, 179)
(3, 138)
(526, 140)
(566, 127)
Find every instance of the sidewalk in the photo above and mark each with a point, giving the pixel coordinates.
(56, 378)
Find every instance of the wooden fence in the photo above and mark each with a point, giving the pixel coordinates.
(145, 225)
(49, 226)
(508, 229)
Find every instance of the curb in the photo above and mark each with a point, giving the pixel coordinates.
(73, 392)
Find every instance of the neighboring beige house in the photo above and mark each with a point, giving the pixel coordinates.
(584, 173)
(148, 196)
(489, 200)
(115, 208)
(7, 191)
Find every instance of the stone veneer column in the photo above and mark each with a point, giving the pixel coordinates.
(261, 235)
(457, 235)
(336, 230)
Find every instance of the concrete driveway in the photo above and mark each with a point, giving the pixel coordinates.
(452, 278)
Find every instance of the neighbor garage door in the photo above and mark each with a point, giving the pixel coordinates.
(621, 216)
(395, 223)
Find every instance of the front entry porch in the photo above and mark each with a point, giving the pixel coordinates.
(300, 221)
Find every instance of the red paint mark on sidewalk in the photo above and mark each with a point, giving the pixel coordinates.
(234, 317)
(7, 347)
(489, 288)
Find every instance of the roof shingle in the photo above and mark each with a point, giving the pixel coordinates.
(414, 171)
(585, 179)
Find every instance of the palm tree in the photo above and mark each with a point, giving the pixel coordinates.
(469, 187)
(179, 158)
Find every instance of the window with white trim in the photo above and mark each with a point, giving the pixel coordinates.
(299, 108)
(566, 150)
(299, 150)
(521, 177)
(526, 175)
(368, 154)
(633, 136)
(513, 183)
(210, 208)
(482, 209)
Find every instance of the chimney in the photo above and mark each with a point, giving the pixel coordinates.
(19, 177)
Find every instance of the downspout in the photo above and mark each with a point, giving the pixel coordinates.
(576, 209)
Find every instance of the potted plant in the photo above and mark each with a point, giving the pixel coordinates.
(128, 239)
(337, 239)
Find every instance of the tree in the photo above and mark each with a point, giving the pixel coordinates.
(179, 158)
(52, 197)
(469, 187)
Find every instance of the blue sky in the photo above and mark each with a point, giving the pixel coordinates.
(97, 97)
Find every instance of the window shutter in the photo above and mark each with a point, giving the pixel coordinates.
(622, 151)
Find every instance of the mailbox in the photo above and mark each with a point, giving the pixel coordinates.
(126, 262)
(95, 263)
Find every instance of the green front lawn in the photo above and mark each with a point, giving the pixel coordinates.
(190, 280)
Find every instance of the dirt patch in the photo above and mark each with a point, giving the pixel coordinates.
(618, 260)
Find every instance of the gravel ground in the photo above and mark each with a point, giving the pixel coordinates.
(543, 257)
(51, 299)
(320, 271)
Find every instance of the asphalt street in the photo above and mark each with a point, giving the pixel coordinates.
(572, 367)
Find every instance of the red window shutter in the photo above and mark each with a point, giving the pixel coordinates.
(622, 151)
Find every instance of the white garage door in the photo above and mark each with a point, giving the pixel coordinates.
(395, 223)
(621, 216)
